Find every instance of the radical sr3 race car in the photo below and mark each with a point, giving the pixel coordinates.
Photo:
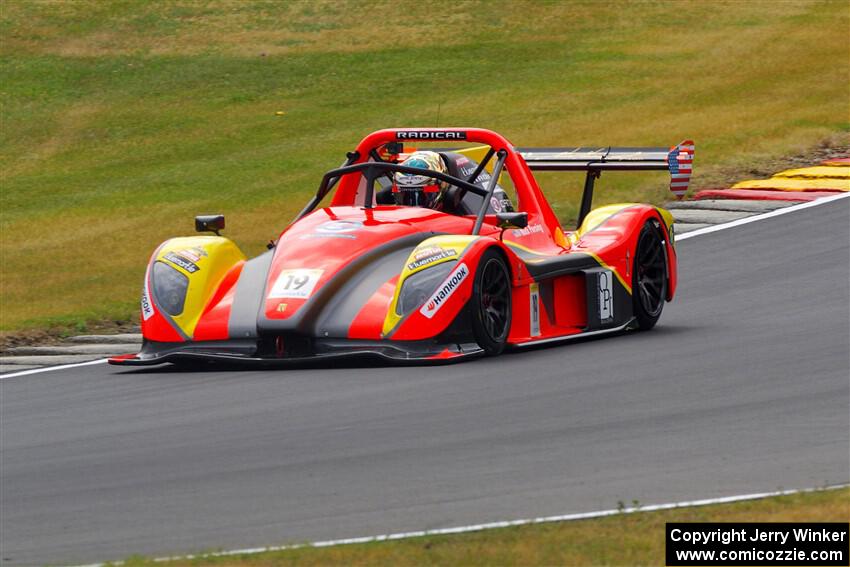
(476, 275)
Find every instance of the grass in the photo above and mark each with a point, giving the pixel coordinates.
(121, 120)
(624, 539)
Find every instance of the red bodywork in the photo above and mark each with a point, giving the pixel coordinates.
(358, 259)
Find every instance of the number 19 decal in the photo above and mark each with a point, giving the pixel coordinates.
(296, 284)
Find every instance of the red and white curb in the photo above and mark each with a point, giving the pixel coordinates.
(763, 216)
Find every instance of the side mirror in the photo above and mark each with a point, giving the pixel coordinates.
(209, 223)
(512, 220)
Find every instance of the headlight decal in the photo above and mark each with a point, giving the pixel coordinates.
(418, 281)
(418, 287)
(169, 288)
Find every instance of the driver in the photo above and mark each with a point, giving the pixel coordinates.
(410, 189)
(420, 190)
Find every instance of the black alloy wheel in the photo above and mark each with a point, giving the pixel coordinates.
(491, 303)
(649, 276)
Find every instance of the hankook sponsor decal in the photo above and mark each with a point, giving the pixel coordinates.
(445, 291)
(429, 135)
(534, 309)
(430, 255)
(182, 262)
(147, 308)
(295, 284)
(605, 288)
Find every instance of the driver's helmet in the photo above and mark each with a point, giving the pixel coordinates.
(420, 190)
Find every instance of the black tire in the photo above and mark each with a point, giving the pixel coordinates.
(491, 303)
(649, 276)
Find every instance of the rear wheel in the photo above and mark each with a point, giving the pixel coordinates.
(649, 276)
(491, 303)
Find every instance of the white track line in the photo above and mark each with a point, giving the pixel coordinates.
(685, 236)
(487, 526)
(49, 368)
(754, 218)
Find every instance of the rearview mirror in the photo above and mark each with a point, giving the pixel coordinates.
(512, 220)
(209, 223)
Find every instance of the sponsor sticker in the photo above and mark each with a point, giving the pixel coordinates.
(482, 178)
(530, 229)
(339, 227)
(496, 204)
(605, 289)
(182, 262)
(429, 135)
(295, 284)
(335, 229)
(445, 291)
(147, 308)
(430, 255)
(192, 254)
(534, 309)
(309, 236)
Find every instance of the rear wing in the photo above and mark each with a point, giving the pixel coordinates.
(677, 160)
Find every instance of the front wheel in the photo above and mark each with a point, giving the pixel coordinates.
(649, 276)
(491, 303)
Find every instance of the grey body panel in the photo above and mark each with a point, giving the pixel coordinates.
(336, 318)
(319, 306)
(250, 290)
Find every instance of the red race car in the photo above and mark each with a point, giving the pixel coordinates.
(421, 255)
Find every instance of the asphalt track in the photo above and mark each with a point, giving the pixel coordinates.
(744, 387)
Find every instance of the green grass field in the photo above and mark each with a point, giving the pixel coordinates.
(627, 539)
(121, 120)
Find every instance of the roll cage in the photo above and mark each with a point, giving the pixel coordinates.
(519, 163)
(379, 167)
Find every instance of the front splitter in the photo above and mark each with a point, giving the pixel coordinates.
(414, 353)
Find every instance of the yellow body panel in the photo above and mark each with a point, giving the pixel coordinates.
(597, 216)
(668, 220)
(431, 252)
(817, 172)
(785, 184)
(205, 260)
(477, 153)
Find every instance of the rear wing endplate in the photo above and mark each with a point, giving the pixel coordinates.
(678, 160)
